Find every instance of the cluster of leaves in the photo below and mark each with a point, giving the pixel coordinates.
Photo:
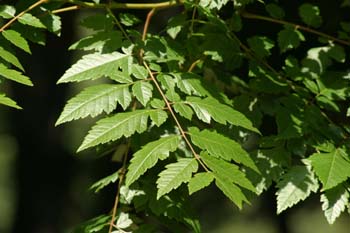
(194, 100)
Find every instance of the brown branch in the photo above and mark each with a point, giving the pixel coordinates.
(117, 196)
(65, 9)
(148, 20)
(297, 26)
(21, 14)
(183, 134)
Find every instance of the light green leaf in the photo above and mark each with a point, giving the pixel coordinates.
(231, 191)
(29, 19)
(112, 128)
(227, 171)
(105, 181)
(139, 72)
(221, 147)
(94, 66)
(310, 15)
(16, 39)
(289, 38)
(200, 181)
(208, 108)
(183, 110)
(8, 102)
(128, 19)
(52, 23)
(190, 84)
(14, 75)
(334, 202)
(148, 156)
(7, 11)
(123, 221)
(331, 168)
(9, 57)
(296, 185)
(142, 91)
(175, 174)
(94, 100)
(159, 117)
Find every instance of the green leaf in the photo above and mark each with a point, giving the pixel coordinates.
(8, 102)
(310, 15)
(275, 11)
(334, 202)
(94, 225)
(9, 57)
(105, 181)
(29, 19)
(200, 181)
(103, 41)
(175, 174)
(142, 91)
(123, 222)
(148, 156)
(221, 147)
(52, 23)
(7, 12)
(289, 38)
(94, 66)
(296, 185)
(332, 168)
(94, 100)
(114, 127)
(139, 72)
(261, 45)
(14, 75)
(227, 171)
(158, 117)
(208, 108)
(190, 84)
(184, 110)
(231, 191)
(16, 39)
(128, 19)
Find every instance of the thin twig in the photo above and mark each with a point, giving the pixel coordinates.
(136, 6)
(117, 196)
(193, 65)
(183, 134)
(118, 24)
(297, 26)
(65, 9)
(21, 14)
(148, 20)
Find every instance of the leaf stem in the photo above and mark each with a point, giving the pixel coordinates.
(183, 134)
(22, 13)
(296, 26)
(136, 6)
(65, 9)
(117, 196)
(118, 24)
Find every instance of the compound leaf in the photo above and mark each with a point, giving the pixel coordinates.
(94, 100)
(208, 108)
(14, 75)
(221, 147)
(94, 66)
(331, 168)
(334, 202)
(114, 127)
(148, 156)
(200, 181)
(175, 174)
(296, 185)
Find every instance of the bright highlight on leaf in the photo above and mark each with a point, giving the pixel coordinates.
(94, 100)
(148, 156)
(295, 186)
(94, 66)
(175, 174)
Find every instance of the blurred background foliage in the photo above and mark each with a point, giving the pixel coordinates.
(44, 184)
